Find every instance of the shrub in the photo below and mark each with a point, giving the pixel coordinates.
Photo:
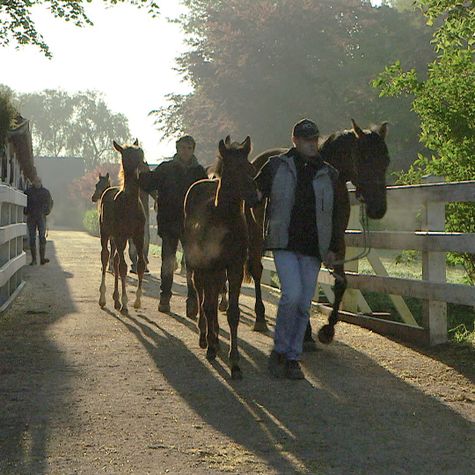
(91, 222)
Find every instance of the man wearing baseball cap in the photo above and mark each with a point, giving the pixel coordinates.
(299, 226)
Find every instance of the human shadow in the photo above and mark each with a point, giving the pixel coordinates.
(351, 416)
(34, 375)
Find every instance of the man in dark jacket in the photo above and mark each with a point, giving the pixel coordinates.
(38, 206)
(171, 180)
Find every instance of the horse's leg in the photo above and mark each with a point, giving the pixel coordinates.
(235, 276)
(116, 295)
(123, 275)
(197, 277)
(327, 332)
(223, 304)
(105, 261)
(139, 246)
(255, 269)
(112, 254)
(212, 285)
(309, 344)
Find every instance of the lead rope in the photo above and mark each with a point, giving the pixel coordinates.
(366, 241)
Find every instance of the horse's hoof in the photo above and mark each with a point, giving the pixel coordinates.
(124, 310)
(102, 302)
(211, 354)
(117, 305)
(203, 342)
(260, 326)
(137, 304)
(236, 373)
(223, 305)
(326, 334)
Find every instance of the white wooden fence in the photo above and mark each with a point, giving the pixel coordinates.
(12, 230)
(431, 240)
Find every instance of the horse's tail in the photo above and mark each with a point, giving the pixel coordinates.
(247, 272)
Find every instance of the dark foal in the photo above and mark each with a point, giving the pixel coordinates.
(217, 241)
(122, 217)
(103, 184)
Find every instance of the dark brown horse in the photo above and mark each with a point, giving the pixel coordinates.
(360, 156)
(216, 242)
(121, 218)
(102, 185)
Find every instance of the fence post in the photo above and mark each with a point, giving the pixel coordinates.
(434, 312)
(350, 298)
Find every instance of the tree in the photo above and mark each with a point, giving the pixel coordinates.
(7, 114)
(51, 115)
(78, 124)
(94, 129)
(445, 103)
(81, 189)
(258, 67)
(401, 5)
(18, 26)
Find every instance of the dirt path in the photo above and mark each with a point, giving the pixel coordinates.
(88, 391)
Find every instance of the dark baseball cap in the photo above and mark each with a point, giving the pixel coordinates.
(306, 129)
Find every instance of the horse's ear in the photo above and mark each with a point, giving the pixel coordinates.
(117, 146)
(246, 145)
(326, 141)
(107, 175)
(357, 129)
(383, 130)
(222, 149)
(136, 143)
(227, 141)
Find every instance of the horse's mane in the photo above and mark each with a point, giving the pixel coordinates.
(258, 161)
(142, 167)
(121, 177)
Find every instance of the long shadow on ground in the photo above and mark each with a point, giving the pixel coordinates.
(352, 417)
(34, 377)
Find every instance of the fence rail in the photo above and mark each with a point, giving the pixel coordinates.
(12, 231)
(431, 239)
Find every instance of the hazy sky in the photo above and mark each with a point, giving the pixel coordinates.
(126, 55)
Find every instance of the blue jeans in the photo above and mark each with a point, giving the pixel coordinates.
(298, 279)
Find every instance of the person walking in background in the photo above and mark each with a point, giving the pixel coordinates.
(299, 230)
(39, 205)
(172, 179)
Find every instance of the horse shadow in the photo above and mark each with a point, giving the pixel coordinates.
(350, 416)
(34, 376)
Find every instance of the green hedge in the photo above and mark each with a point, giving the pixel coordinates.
(91, 222)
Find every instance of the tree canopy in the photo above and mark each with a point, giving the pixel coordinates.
(77, 124)
(258, 67)
(444, 100)
(18, 27)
